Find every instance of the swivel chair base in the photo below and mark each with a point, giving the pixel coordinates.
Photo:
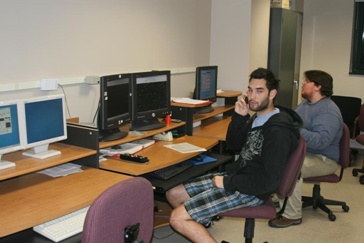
(318, 201)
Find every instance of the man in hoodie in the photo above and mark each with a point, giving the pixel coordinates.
(265, 142)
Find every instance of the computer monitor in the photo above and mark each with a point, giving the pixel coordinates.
(206, 86)
(115, 106)
(45, 123)
(151, 99)
(11, 130)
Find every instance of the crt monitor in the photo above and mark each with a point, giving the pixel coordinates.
(151, 95)
(206, 86)
(11, 130)
(45, 122)
(115, 106)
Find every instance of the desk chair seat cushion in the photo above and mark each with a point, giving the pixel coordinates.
(332, 178)
(127, 203)
(264, 211)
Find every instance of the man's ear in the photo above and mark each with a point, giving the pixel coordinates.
(272, 94)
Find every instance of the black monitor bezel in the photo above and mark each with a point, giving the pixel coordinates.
(153, 113)
(105, 122)
(197, 91)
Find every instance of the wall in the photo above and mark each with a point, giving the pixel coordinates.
(326, 43)
(69, 39)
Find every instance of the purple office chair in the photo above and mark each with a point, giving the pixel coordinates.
(125, 204)
(318, 201)
(285, 189)
(360, 139)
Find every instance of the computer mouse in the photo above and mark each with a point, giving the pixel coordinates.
(198, 158)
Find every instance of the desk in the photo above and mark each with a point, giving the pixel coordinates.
(32, 199)
(159, 156)
(214, 127)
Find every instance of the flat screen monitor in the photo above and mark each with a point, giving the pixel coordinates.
(11, 130)
(115, 106)
(45, 123)
(206, 86)
(151, 95)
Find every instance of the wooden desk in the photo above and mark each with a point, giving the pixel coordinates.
(159, 156)
(25, 165)
(32, 199)
(215, 127)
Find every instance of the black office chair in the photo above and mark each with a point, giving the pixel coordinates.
(360, 140)
(350, 109)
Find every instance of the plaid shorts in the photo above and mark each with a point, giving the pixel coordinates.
(207, 201)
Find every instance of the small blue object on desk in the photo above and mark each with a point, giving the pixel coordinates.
(205, 159)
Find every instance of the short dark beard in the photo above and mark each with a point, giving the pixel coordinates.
(263, 106)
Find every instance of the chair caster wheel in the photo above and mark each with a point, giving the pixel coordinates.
(361, 179)
(332, 217)
(345, 208)
(355, 173)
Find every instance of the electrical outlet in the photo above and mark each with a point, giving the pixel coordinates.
(92, 79)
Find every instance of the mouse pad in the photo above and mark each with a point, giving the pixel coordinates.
(205, 159)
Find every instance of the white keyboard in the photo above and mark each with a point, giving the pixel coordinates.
(63, 227)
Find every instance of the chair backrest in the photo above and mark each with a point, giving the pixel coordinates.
(292, 170)
(126, 203)
(350, 108)
(344, 159)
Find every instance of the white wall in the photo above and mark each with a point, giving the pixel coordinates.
(326, 43)
(69, 39)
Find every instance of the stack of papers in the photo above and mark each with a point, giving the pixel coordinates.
(190, 101)
(130, 148)
(62, 170)
(185, 148)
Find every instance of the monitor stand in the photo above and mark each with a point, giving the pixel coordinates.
(205, 109)
(111, 134)
(146, 124)
(41, 152)
(5, 164)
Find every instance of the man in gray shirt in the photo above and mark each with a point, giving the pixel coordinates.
(322, 130)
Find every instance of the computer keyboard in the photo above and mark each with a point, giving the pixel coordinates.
(63, 227)
(170, 171)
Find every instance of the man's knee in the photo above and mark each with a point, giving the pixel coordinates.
(178, 216)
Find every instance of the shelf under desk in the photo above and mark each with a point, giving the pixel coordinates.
(159, 156)
(32, 199)
(214, 127)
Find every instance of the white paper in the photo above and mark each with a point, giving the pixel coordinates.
(185, 148)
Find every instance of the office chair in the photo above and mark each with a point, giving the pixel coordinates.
(318, 201)
(350, 109)
(285, 189)
(358, 142)
(125, 204)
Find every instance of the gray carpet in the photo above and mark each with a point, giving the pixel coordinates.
(315, 228)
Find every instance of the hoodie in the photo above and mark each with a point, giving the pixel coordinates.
(264, 151)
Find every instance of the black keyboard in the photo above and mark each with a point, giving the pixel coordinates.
(170, 171)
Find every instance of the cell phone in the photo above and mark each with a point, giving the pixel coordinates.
(246, 100)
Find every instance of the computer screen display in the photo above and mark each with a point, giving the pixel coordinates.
(151, 92)
(45, 121)
(115, 106)
(10, 130)
(206, 83)
(206, 86)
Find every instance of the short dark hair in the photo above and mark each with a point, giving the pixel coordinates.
(321, 78)
(267, 75)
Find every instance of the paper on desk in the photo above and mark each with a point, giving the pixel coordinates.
(62, 170)
(190, 101)
(185, 148)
